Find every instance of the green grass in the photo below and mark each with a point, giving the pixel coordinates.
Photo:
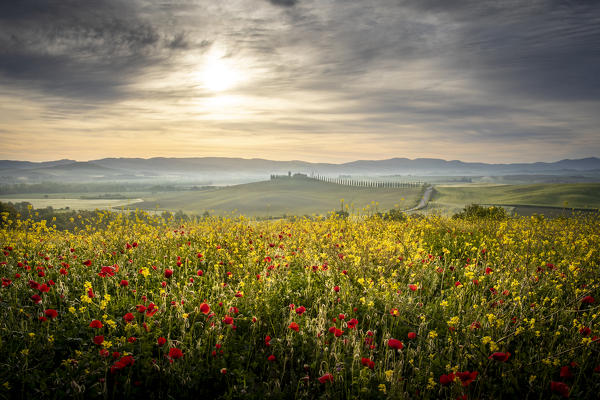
(279, 197)
(450, 199)
(73, 203)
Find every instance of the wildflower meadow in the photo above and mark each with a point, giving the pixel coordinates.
(132, 306)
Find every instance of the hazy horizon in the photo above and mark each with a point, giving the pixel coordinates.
(313, 80)
(298, 160)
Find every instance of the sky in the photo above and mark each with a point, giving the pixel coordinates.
(313, 80)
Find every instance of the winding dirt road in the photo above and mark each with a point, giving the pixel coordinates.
(424, 200)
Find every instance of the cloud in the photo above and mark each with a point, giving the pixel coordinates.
(285, 3)
(79, 49)
(464, 73)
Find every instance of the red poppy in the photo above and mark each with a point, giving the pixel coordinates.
(168, 273)
(565, 372)
(559, 388)
(352, 323)
(99, 339)
(36, 298)
(43, 319)
(239, 294)
(103, 352)
(122, 363)
(87, 263)
(106, 271)
(132, 339)
(44, 288)
(50, 313)
(161, 341)
(128, 317)
(294, 326)
(467, 377)
(326, 378)
(271, 358)
(151, 310)
(588, 300)
(412, 335)
(96, 324)
(367, 362)
(300, 310)
(199, 272)
(124, 283)
(585, 331)
(395, 344)
(204, 308)
(498, 356)
(140, 308)
(445, 380)
(175, 353)
(413, 287)
(336, 289)
(337, 332)
(228, 320)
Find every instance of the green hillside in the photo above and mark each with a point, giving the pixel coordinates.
(283, 196)
(577, 195)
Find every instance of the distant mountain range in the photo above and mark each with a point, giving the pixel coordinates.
(220, 170)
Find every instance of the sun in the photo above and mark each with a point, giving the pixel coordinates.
(218, 73)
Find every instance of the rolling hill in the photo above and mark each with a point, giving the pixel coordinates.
(282, 196)
(450, 199)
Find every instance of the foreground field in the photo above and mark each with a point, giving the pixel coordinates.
(425, 308)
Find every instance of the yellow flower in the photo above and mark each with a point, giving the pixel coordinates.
(586, 341)
(431, 383)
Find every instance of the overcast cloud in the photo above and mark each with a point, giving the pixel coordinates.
(334, 80)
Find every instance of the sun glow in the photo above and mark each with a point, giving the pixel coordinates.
(219, 73)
